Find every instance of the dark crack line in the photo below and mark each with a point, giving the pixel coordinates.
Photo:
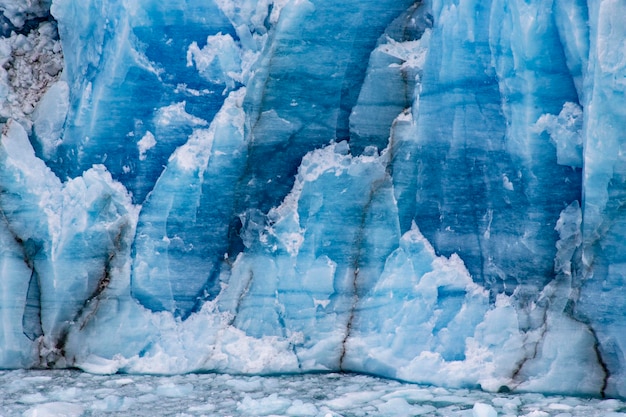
(598, 352)
(232, 317)
(518, 369)
(242, 296)
(603, 365)
(103, 283)
(357, 261)
(90, 307)
(355, 300)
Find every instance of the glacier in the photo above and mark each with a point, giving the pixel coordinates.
(428, 191)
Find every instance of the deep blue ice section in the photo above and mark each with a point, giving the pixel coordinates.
(486, 185)
(135, 65)
(300, 99)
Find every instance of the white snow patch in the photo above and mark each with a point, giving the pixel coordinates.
(412, 53)
(321, 303)
(565, 132)
(506, 183)
(176, 114)
(146, 143)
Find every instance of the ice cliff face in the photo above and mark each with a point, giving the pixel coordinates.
(430, 191)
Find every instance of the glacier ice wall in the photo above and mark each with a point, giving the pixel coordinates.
(430, 191)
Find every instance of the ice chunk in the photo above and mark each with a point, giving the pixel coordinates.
(146, 143)
(49, 118)
(19, 12)
(565, 131)
(219, 61)
(55, 409)
(483, 410)
(273, 404)
(31, 62)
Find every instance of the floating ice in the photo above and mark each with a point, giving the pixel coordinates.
(70, 393)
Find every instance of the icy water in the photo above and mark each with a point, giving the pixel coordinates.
(72, 393)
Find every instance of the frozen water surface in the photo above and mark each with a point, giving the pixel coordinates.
(73, 393)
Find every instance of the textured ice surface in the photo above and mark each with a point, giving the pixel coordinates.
(18, 13)
(427, 191)
(31, 63)
(70, 393)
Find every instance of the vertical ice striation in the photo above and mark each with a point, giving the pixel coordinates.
(493, 68)
(183, 227)
(71, 234)
(604, 187)
(19, 326)
(125, 77)
(285, 119)
(430, 191)
(302, 277)
(306, 87)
